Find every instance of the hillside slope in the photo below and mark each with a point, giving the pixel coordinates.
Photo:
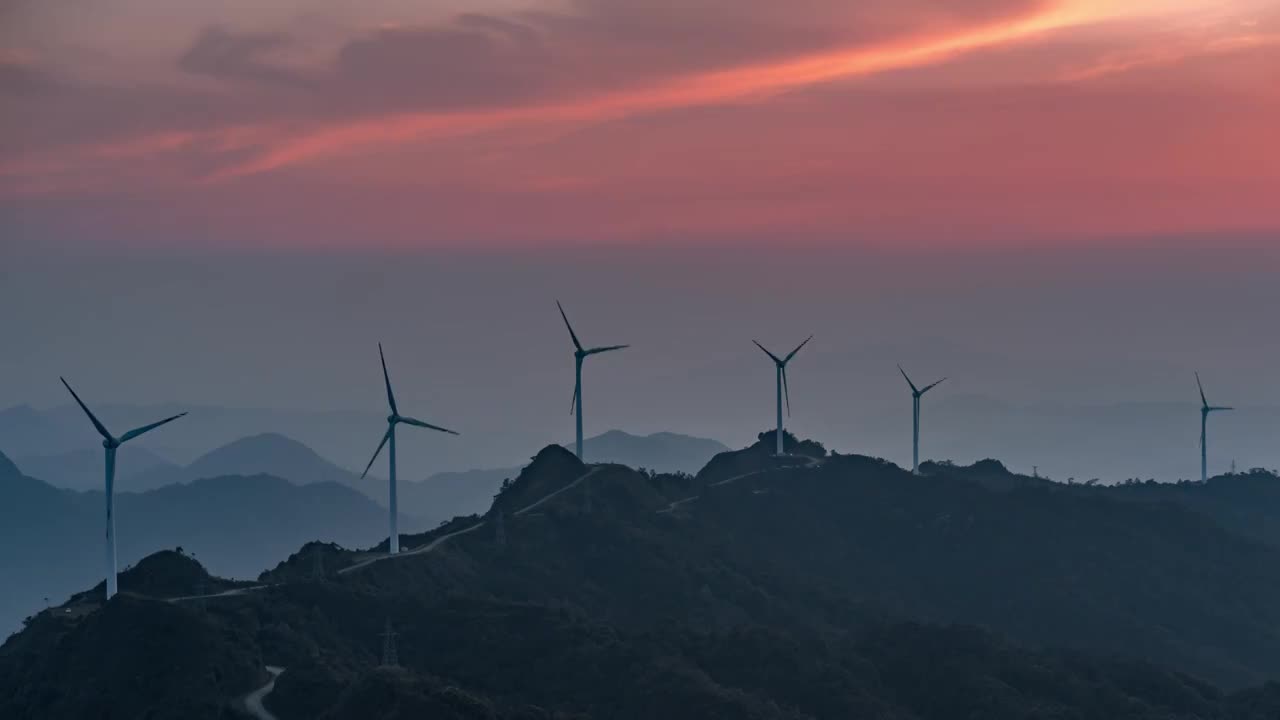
(1245, 503)
(815, 587)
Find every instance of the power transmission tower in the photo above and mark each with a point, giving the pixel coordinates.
(389, 656)
(1035, 471)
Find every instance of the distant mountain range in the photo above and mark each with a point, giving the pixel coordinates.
(137, 468)
(813, 585)
(662, 452)
(221, 491)
(343, 437)
(141, 469)
(51, 539)
(426, 503)
(265, 453)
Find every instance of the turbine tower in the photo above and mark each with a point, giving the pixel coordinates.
(783, 390)
(580, 354)
(1205, 409)
(916, 394)
(110, 443)
(395, 418)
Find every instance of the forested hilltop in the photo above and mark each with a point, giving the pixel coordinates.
(806, 586)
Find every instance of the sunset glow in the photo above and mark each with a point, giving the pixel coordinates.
(592, 118)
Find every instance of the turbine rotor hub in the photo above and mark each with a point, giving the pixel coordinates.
(392, 419)
(110, 443)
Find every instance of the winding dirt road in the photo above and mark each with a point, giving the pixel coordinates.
(810, 462)
(253, 701)
(566, 488)
(226, 593)
(420, 550)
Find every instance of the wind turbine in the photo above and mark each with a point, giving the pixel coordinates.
(1205, 409)
(395, 418)
(110, 443)
(916, 394)
(781, 364)
(580, 354)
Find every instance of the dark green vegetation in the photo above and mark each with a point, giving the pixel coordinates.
(811, 586)
(1246, 503)
(472, 491)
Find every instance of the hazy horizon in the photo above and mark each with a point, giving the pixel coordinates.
(1042, 340)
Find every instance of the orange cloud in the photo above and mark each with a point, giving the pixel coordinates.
(753, 82)
(919, 131)
(747, 83)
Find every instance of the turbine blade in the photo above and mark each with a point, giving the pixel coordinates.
(930, 387)
(572, 335)
(786, 391)
(766, 352)
(385, 437)
(147, 428)
(1216, 408)
(102, 430)
(573, 404)
(607, 348)
(1203, 401)
(429, 426)
(793, 352)
(391, 399)
(904, 375)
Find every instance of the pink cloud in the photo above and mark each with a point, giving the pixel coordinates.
(876, 122)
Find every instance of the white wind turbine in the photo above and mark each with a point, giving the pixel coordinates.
(580, 354)
(1205, 410)
(783, 390)
(916, 394)
(395, 418)
(110, 443)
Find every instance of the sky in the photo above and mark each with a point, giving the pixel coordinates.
(499, 122)
(1067, 206)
